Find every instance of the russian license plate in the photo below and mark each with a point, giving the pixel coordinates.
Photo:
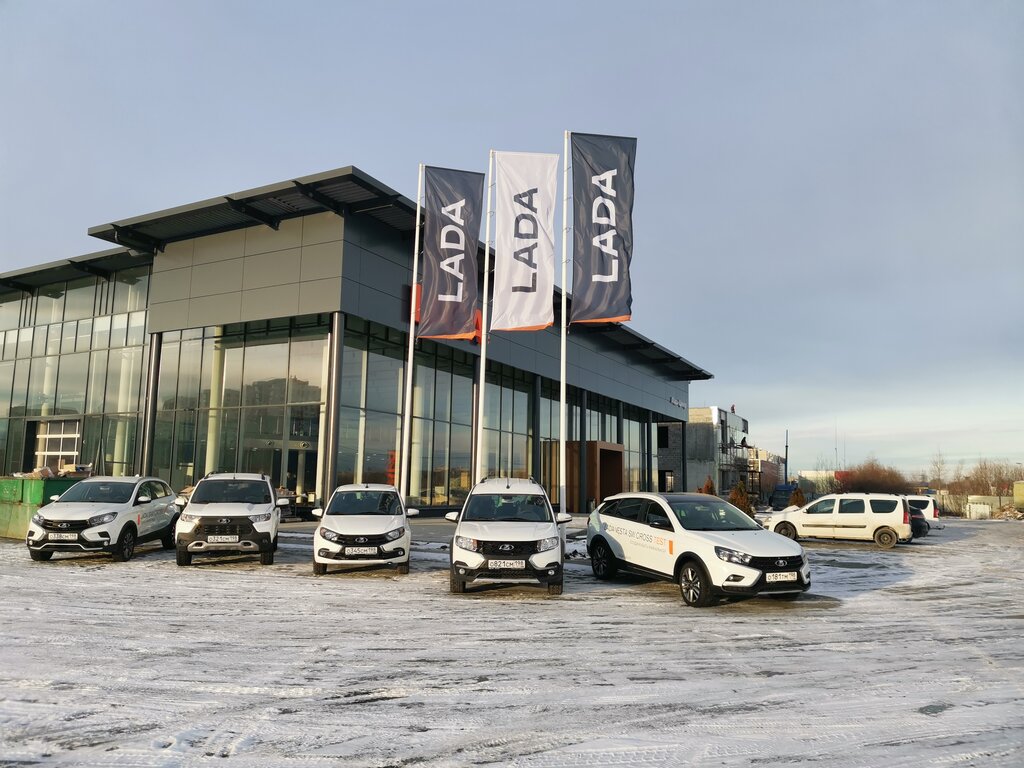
(507, 564)
(787, 576)
(63, 537)
(222, 539)
(360, 550)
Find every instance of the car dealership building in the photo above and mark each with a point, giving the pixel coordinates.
(265, 331)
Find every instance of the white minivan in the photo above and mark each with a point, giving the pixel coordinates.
(880, 517)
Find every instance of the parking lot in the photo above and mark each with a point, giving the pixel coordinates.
(905, 657)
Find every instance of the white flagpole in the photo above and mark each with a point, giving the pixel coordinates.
(404, 470)
(482, 382)
(565, 303)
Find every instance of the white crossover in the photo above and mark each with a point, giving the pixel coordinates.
(363, 525)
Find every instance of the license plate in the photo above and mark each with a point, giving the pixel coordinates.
(788, 576)
(222, 539)
(510, 564)
(360, 550)
(63, 537)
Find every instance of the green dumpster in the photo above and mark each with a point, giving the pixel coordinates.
(55, 486)
(32, 492)
(10, 489)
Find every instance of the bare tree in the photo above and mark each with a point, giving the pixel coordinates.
(938, 470)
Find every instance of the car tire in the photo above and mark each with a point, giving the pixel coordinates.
(602, 561)
(787, 530)
(125, 546)
(40, 555)
(403, 569)
(167, 540)
(267, 557)
(554, 587)
(695, 586)
(456, 585)
(886, 538)
(275, 543)
(183, 556)
(319, 569)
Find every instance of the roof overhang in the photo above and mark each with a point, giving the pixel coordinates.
(100, 264)
(344, 191)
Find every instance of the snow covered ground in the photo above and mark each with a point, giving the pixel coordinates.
(907, 657)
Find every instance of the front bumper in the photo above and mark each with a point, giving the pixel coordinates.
(743, 580)
(341, 553)
(474, 568)
(99, 538)
(196, 539)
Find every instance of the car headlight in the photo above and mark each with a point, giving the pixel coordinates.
(188, 518)
(395, 534)
(106, 517)
(545, 544)
(464, 542)
(260, 518)
(732, 556)
(328, 534)
(38, 519)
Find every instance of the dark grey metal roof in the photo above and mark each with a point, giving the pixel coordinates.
(101, 264)
(345, 191)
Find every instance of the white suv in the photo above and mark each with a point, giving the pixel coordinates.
(931, 511)
(704, 544)
(507, 533)
(363, 525)
(104, 514)
(879, 517)
(229, 513)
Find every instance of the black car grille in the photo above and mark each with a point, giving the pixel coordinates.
(507, 548)
(64, 526)
(794, 563)
(234, 528)
(362, 540)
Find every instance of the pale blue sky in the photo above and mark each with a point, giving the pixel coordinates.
(830, 195)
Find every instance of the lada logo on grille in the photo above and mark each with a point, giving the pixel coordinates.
(360, 539)
(224, 520)
(781, 563)
(63, 525)
(507, 547)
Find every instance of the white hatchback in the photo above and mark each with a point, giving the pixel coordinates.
(704, 544)
(104, 514)
(363, 525)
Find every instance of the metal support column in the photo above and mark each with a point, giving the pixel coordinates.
(583, 508)
(649, 453)
(684, 482)
(479, 434)
(537, 462)
(336, 350)
(620, 425)
(149, 413)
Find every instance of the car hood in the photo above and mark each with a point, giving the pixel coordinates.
(496, 531)
(362, 524)
(756, 543)
(78, 510)
(226, 509)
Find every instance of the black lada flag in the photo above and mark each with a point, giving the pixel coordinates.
(602, 184)
(453, 201)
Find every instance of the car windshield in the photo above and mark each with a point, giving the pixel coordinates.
(232, 492)
(526, 508)
(110, 493)
(364, 503)
(711, 515)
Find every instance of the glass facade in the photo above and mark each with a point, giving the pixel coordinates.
(72, 370)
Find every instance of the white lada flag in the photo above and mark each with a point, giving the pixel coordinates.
(524, 246)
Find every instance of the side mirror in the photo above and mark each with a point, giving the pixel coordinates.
(54, 498)
(143, 500)
(661, 525)
(452, 516)
(563, 517)
(181, 501)
(411, 512)
(317, 512)
(283, 502)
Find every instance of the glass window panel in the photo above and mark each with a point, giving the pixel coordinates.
(4, 425)
(439, 468)
(68, 332)
(10, 314)
(118, 330)
(521, 410)
(217, 444)
(100, 332)
(9, 350)
(42, 386)
(307, 369)
(84, 335)
(384, 366)
(124, 378)
(183, 470)
(221, 377)
(349, 428)
(460, 473)
(71, 381)
(131, 287)
(492, 453)
(50, 304)
(97, 382)
(79, 298)
(352, 372)
(190, 357)
(492, 404)
(163, 439)
(136, 329)
(262, 431)
(443, 390)
(167, 382)
(39, 341)
(53, 336)
(419, 462)
(265, 370)
(6, 389)
(119, 445)
(25, 342)
(16, 446)
(462, 393)
(380, 447)
(423, 385)
(520, 456)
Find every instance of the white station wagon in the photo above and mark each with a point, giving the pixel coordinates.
(879, 517)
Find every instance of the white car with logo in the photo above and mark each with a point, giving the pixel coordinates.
(104, 514)
(363, 525)
(229, 513)
(507, 533)
(704, 544)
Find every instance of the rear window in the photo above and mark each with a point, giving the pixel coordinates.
(629, 509)
(883, 506)
(921, 504)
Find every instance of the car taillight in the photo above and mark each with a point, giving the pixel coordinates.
(906, 514)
